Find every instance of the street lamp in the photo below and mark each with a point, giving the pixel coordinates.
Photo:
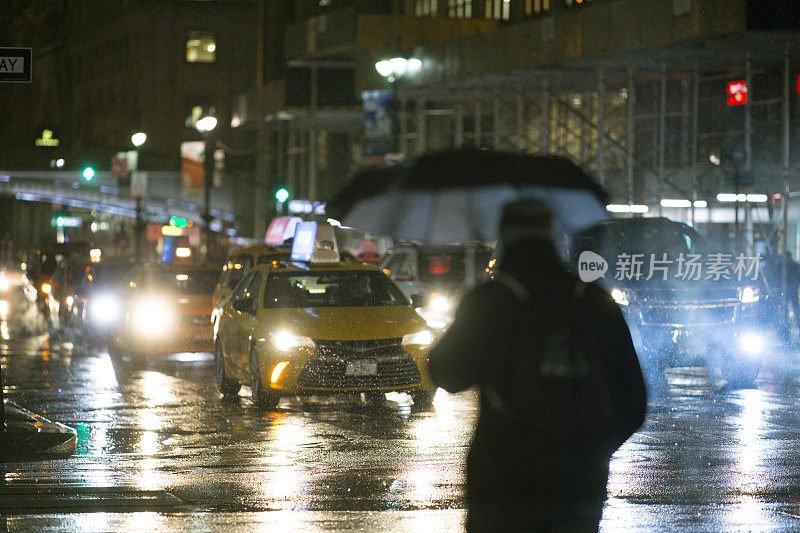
(137, 140)
(205, 126)
(393, 69)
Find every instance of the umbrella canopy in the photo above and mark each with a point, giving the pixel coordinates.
(366, 183)
(457, 196)
(468, 167)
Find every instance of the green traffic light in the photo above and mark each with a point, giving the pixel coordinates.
(88, 173)
(281, 195)
(178, 222)
(59, 222)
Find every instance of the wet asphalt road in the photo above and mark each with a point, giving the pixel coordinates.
(159, 450)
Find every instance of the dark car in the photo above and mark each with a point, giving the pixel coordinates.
(686, 304)
(436, 277)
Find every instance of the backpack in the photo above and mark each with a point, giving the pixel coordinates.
(556, 387)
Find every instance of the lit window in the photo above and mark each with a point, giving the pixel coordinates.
(460, 8)
(426, 8)
(201, 47)
(497, 9)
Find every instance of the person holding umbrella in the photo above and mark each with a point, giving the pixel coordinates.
(560, 385)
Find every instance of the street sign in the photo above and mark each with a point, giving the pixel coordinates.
(139, 183)
(15, 65)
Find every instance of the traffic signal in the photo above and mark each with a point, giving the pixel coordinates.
(88, 174)
(59, 221)
(282, 195)
(178, 222)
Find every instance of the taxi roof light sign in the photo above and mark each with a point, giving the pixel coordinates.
(315, 243)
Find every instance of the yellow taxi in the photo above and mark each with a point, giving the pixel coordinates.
(237, 265)
(315, 329)
(168, 308)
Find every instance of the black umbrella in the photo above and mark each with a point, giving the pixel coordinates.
(367, 182)
(456, 196)
(469, 167)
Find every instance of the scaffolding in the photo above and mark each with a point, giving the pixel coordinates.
(649, 130)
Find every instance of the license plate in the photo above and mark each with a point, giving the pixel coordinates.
(361, 367)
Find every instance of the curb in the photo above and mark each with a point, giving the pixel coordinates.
(29, 436)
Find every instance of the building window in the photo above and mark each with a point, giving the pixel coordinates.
(426, 8)
(498, 9)
(536, 7)
(459, 8)
(201, 47)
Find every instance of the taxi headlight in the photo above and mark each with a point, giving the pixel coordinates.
(152, 317)
(285, 341)
(439, 303)
(749, 295)
(619, 296)
(421, 338)
(46, 288)
(103, 310)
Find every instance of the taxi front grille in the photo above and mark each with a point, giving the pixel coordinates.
(327, 368)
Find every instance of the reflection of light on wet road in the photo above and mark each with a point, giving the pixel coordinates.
(190, 357)
(285, 480)
(156, 388)
(4, 334)
(434, 429)
(142, 522)
(750, 433)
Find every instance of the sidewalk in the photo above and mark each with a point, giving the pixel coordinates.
(29, 436)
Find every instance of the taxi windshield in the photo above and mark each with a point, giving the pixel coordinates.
(186, 282)
(331, 289)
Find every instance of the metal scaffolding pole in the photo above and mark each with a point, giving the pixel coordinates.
(518, 119)
(784, 249)
(695, 135)
(312, 137)
(419, 118)
(601, 114)
(748, 124)
(662, 134)
(291, 178)
(401, 117)
(496, 120)
(478, 133)
(631, 108)
(459, 118)
(545, 122)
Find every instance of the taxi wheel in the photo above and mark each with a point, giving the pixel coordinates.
(266, 399)
(228, 387)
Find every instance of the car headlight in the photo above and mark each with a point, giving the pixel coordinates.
(285, 341)
(152, 317)
(752, 343)
(619, 296)
(749, 295)
(103, 310)
(439, 303)
(46, 288)
(421, 338)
